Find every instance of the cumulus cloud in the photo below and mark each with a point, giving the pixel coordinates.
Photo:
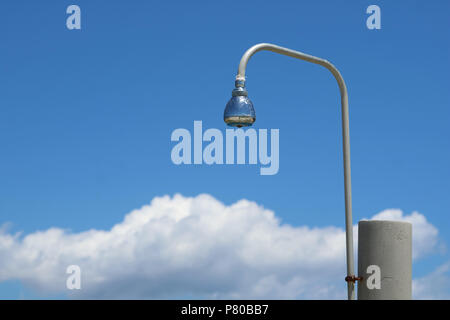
(434, 285)
(179, 247)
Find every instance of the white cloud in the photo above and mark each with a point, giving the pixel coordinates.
(434, 285)
(192, 247)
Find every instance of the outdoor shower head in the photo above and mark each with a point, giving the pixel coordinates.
(239, 111)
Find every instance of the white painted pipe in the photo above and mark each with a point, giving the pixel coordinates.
(240, 80)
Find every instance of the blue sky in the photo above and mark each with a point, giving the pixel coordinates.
(86, 115)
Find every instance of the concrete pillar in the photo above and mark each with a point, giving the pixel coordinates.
(384, 260)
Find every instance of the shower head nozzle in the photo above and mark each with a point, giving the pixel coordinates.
(239, 111)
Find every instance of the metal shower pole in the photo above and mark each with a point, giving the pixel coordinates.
(240, 82)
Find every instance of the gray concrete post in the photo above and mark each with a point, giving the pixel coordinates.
(384, 260)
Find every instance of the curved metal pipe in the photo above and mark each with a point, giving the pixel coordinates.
(240, 79)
